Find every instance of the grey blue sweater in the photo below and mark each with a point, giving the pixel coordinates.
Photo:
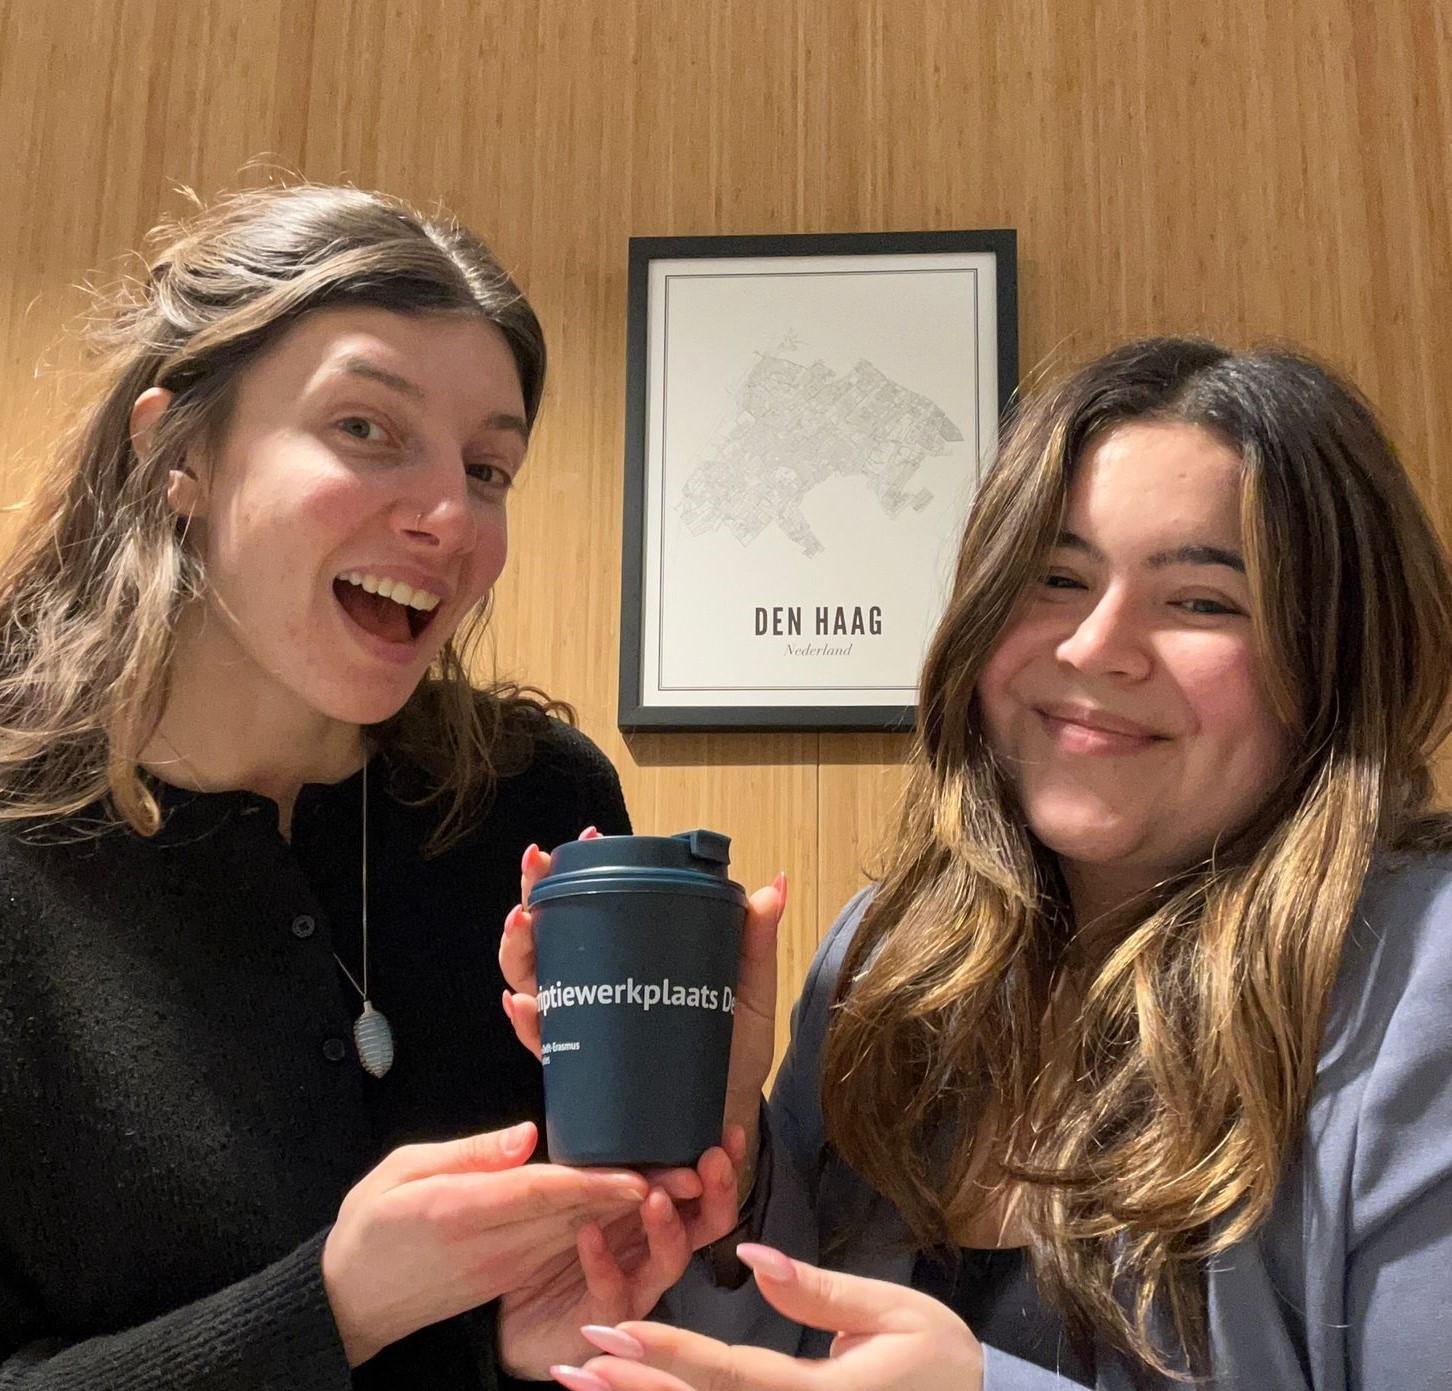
(1348, 1286)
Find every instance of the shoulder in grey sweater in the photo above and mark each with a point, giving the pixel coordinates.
(1347, 1287)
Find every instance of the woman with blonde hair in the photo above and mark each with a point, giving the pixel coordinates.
(1136, 1066)
(261, 1123)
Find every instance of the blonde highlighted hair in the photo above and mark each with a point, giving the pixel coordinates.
(90, 596)
(1153, 1131)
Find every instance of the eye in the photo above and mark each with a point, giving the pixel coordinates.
(1061, 581)
(1207, 608)
(490, 477)
(361, 428)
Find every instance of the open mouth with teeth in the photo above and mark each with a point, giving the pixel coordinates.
(386, 608)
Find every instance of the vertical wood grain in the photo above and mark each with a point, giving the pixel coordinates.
(1239, 169)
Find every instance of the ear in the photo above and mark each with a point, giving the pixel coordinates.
(183, 487)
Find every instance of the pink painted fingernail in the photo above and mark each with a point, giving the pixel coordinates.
(511, 919)
(577, 1379)
(590, 833)
(530, 849)
(766, 1261)
(613, 1341)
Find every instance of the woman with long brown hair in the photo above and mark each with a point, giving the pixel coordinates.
(261, 1124)
(1137, 1063)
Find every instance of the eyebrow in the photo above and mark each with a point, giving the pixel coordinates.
(371, 371)
(1161, 560)
(361, 367)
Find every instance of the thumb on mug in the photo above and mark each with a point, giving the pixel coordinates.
(486, 1152)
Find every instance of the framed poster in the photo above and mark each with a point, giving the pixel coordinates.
(807, 420)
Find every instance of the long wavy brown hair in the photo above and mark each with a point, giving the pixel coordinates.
(89, 598)
(1150, 1132)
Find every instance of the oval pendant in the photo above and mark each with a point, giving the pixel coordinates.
(374, 1039)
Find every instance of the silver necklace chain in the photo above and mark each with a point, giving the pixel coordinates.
(372, 1033)
(352, 980)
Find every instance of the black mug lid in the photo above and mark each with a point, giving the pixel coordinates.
(708, 847)
(705, 852)
(700, 858)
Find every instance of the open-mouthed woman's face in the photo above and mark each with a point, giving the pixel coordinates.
(355, 511)
(1125, 701)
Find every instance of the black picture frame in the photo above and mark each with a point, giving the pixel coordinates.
(639, 711)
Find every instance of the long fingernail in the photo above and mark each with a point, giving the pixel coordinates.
(509, 1006)
(613, 1341)
(577, 1379)
(511, 919)
(781, 889)
(589, 833)
(765, 1261)
(530, 849)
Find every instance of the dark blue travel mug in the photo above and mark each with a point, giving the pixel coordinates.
(636, 947)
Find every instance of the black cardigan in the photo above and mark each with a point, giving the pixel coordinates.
(181, 1106)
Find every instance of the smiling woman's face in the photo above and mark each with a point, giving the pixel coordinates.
(1124, 700)
(363, 447)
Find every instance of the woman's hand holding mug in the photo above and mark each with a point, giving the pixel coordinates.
(436, 1229)
(753, 1038)
(619, 1269)
(889, 1338)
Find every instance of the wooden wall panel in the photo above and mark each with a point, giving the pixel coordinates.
(1235, 168)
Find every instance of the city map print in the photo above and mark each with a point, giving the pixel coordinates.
(796, 426)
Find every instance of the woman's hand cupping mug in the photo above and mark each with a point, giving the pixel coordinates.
(889, 1338)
